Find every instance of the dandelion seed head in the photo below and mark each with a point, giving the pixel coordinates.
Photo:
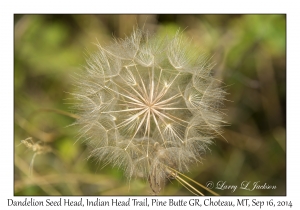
(146, 105)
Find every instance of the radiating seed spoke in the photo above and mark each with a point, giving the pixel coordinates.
(165, 89)
(133, 99)
(156, 123)
(125, 110)
(131, 119)
(129, 93)
(167, 100)
(170, 117)
(144, 87)
(141, 97)
(141, 123)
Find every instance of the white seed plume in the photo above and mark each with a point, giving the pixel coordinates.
(148, 104)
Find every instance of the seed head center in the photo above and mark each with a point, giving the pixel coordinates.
(151, 104)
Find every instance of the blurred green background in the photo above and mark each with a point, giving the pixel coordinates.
(250, 56)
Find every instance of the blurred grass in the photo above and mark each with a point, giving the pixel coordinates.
(250, 56)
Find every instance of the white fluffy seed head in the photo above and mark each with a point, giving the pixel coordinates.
(147, 104)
